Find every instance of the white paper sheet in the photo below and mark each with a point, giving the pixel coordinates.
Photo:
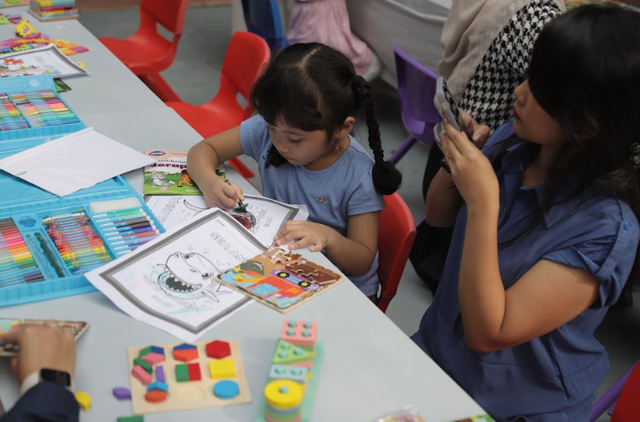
(170, 283)
(39, 61)
(73, 162)
(266, 219)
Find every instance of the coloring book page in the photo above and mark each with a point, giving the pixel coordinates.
(170, 281)
(263, 217)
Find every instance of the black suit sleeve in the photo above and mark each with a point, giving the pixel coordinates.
(45, 402)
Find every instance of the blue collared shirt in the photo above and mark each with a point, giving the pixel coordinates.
(553, 377)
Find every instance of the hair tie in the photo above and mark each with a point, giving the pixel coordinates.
(357, 82)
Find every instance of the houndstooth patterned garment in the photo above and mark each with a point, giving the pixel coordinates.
(488, 96)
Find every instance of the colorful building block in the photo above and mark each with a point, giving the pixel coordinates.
(185, 352)
(122, 393)
(84, 400)
(144, 351)
(226, 389)
(143, 364)
(153, 358)
(136, 418)
(141, 375)
(158, 350)
(194, 372)
(286, 354)
(224, 368)
(158, 385)
(289, 372)
(182, 373)
(156, 396)
(160, 373)
(218, 349)
(300, 333)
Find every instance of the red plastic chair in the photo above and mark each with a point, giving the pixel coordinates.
(397, 232)
(246, 57)
(146, 53)
(628, 406)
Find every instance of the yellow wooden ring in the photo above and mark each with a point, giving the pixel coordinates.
(283, 394)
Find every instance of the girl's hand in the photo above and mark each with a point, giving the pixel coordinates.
(471, 171)
(305, 233)
(221, 193)
(479, 133)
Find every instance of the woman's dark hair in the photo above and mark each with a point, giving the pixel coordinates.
(313, 87)
(585, 73)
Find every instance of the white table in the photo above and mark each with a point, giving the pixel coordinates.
(370, 367)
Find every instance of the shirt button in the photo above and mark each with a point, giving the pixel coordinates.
(626, 225)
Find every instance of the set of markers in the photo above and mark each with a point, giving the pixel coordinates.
(16, 262)
(78, 244)
(126, 229)
(43, 108)
(10, 118)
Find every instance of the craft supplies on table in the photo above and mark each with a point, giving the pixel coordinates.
(48, 242)
(51, 10)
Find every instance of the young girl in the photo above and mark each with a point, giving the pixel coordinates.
(548, 235)
(306, 100)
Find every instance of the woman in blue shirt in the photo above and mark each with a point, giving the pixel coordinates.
(546, 233)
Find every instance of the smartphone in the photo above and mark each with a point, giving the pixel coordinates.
(448, 108)
(447, 105)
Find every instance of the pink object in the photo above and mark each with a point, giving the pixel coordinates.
(142, 375)
(122, 393)
(153, 358)
(327, 22)
(301, 334)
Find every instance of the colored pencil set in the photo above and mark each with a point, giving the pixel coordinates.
(16, 262)
(10, 118)
(78, 244)
(127, 229)
(43, 108)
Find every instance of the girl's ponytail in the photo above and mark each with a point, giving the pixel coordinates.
(386, 178)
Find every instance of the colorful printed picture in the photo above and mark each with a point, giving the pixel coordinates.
(263, 217)
(8, 324)
(168, 176)
(280, 279)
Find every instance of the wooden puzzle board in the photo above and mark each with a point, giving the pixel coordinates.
(4, 3)
(189, 394)
(271, 265)
(76, 327)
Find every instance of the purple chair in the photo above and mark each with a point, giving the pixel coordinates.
(417, 88)
(608, 398)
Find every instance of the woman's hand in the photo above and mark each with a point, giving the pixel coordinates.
(305, 233)
(471, 171)
(479, 133)
(220, 192)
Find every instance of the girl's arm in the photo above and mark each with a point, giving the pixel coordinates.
(354, 253)
(543, 299)
(202, 160)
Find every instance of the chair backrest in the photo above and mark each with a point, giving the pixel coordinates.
(417, 89)
(628, 406)
(171, 14)
(245, 59)
(397, 232)
(263, 18)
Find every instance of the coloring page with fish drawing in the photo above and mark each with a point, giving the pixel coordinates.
(263, 217)
(171, 282)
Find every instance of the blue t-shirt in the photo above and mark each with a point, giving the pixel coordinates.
(553, 377)
(333, 195)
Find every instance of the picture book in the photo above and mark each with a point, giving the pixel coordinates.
(280, 279)
(7, 324)
(168, 175)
